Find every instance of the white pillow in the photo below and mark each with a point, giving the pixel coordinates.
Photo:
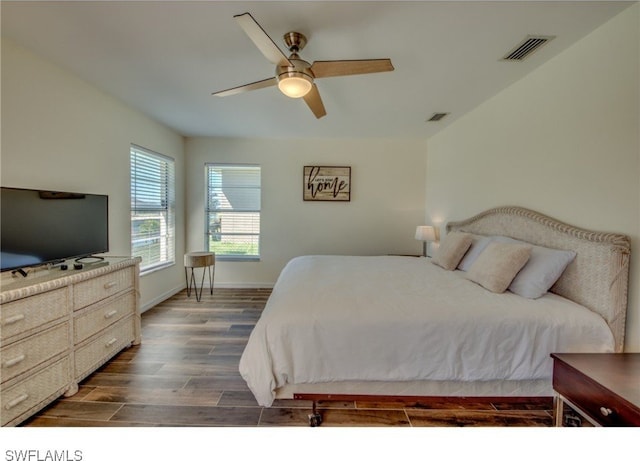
(544, 268)
(478, 244)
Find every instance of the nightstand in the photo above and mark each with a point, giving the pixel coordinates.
(602, 388)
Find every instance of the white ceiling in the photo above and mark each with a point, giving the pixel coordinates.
(165, 58)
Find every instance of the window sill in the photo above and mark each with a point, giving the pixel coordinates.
(156, 268)
(238, 258)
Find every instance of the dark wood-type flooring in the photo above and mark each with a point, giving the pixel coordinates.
(185, 373)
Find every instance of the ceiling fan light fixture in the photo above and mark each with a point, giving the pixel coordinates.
(293, 75)
(295, 84)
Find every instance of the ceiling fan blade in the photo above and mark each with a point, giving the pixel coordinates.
(314, 101)
(264, 43)
(248, 87)
(322, 69)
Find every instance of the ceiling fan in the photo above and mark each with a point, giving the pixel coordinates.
(293, 75)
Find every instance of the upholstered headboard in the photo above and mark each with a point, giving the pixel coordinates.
(598, 278)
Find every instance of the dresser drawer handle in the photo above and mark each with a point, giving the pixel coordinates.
(110, 285)
(14, 319)
(17, 401)
(605, 411)
(111, 342)
(14, 361)
(110, 314)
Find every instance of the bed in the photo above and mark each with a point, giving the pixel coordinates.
(406, 327)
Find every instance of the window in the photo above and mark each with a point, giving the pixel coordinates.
(232, 215)
(152, 208)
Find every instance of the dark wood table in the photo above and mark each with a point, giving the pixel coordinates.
(603, 388)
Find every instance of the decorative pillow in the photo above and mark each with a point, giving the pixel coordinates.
(544, 268)
(452, 249)
(478, 244)
(498, 265)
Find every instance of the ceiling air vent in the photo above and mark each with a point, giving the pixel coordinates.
(526, 47)
(437, 116)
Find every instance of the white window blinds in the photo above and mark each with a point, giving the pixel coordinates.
(232, 215)
(152, 208)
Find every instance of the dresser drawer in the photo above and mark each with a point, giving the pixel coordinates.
(102, 315)
(25, 314)
(34, 350)
(92, 355)
(35, 391)
(591, 398)
(96, 289)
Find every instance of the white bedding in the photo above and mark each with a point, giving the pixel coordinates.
(393, 318)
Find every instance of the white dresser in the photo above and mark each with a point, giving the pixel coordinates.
(57, 327)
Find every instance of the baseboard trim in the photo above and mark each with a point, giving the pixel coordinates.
(163, 297)
(240, 285)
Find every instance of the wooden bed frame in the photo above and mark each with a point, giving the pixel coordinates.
(596, 279)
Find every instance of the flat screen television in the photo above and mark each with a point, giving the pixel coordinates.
(39, 226)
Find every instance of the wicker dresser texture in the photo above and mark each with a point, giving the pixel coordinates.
(57, 327)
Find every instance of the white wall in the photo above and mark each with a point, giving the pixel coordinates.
(60, 133)
(563, 141)
(387, 200)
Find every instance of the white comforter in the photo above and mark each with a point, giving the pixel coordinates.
(386, 318)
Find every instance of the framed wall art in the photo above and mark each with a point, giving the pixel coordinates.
(327, 183)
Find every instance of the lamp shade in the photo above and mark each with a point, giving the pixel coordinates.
(426, 233)
(295, 84)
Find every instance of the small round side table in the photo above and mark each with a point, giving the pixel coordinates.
(204, 259)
